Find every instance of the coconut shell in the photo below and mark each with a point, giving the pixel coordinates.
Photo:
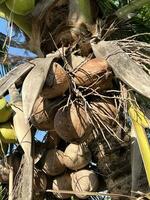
(84, 181)
(76, 156)
(5, 110)
(95, 72)
(43, 113)
(56, 83)
(62, 182)
(53, 164)
(40, 181)
(72, 124)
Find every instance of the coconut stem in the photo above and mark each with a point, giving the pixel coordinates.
(85, 10)
(20, 21)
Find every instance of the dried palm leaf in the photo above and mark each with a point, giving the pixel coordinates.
(123, 66)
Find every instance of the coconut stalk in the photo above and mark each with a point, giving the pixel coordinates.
(80, 11)
(130, 8)
(140, 123)
(23, 132)
(20, 21)
(11, 175)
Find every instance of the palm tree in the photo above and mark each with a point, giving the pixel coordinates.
(80, 26)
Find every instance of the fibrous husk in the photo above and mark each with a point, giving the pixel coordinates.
(106, 111)
(62, 182)
(4, 173)
(40, 181)
(95, 73)
(44, 111)
(56, 83)
(53, 164)
(84, 181)
(72, 123)
(52, 139)
(76, 156)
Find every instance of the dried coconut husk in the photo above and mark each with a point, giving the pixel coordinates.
(76, 156)
(40, 181)
(106, 111)
(52, 139)
(62, 182)
(53, 164)
(72, 123)
(43, 113)
(95, 73)
(56, 82)
(40, 149)
(4, 173)
(84, 181)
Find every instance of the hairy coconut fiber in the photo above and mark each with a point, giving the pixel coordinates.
(94, 73)
(5, 110)
(56, 83)
(7, 133)
(72, 123)
(40, 181)
(62, 182)
(44, 111)
(53, 164)
(4, 172)
(76, 156)
(84, 181)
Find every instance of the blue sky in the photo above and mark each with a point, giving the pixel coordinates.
(5, 29)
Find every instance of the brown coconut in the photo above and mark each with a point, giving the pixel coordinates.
(40, 181)
(106, 111)
(43, 113)
(56, 83)
(76, 156)
(53, 164)
(84, 181)
(62, 182)
(95, 72)
(72, 123)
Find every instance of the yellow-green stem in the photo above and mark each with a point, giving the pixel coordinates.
(85, 10)
(20, 21)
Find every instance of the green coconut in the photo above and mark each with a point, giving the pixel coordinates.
(5, 110)
(7, 133)
(20, 7)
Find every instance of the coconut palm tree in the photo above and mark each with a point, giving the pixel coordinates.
(69, 31)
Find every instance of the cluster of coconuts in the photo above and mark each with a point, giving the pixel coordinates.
(7, 132)
(68, 165)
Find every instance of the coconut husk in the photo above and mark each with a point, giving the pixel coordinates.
(76, 156)
(72, 123)
(40, 181)
(44, 111)
(95, 73)
(4, 173)
(53, 163)
(62, 182)
(56, 83)
(84, 181)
